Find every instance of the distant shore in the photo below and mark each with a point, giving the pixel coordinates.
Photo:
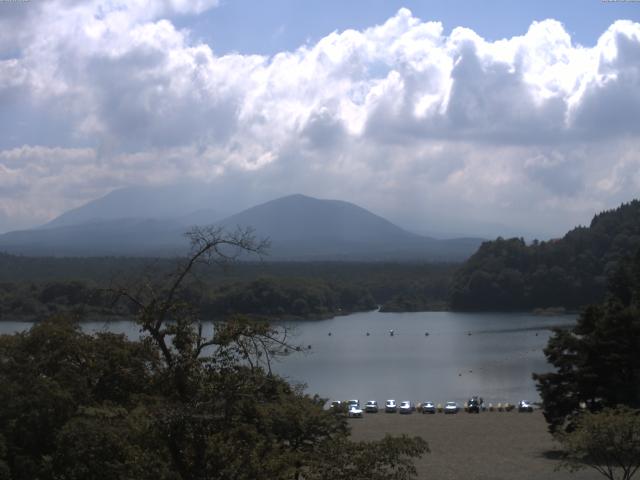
(485, 446)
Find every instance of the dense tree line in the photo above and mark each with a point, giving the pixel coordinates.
(264, 297)
(305, 290)
(176, 404)
(20, 268)
(508, 274)
(591, 399)
(597, 362)
(383, 279)
(27, 300)
(416, 300)
(288, 297)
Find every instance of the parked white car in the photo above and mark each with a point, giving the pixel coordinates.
(451, 407)
(406, 407)
(390, 406)
(355, 411)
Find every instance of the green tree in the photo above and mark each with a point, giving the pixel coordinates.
(568, 272)
(390, 458)
(4, 467)
(607, 441)
(49, 373)
(188, 401)
(227, 415)
(110, 442)
(598, 361)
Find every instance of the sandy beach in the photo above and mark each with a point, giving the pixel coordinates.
(485, 446)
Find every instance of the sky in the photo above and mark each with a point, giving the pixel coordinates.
(456, 117)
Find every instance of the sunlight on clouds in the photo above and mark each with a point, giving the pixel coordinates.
(398, 115)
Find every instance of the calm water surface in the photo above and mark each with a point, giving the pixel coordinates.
(488, 354)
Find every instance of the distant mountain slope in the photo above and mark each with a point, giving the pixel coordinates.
(568, 272)
(300, 228)
(161, 203)
(128, 237)
(299, 217)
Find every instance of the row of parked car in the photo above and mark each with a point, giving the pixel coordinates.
(473, 405)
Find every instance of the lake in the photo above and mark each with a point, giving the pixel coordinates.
(486, 354)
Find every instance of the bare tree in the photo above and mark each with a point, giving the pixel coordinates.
(174, 324)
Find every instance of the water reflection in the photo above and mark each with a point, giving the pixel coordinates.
(491, 355)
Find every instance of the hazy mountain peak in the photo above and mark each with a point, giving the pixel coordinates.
(297, 217)
(151, 202)
(299, 227)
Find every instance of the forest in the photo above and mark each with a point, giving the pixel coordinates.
(38, 287)
(175, 404)
(503, 275)
(571, 272)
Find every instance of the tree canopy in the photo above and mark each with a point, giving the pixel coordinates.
(571, 272)
(35, 288)
(607, 441)
(597, 362)
(179, 403)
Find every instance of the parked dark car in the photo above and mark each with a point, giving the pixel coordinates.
(371, 406)
(525, 406)
(428, 407)
(473, 405)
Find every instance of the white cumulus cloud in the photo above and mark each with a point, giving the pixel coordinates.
(435, 130)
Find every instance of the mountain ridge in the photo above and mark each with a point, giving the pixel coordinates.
(299, 227)
(142, 202)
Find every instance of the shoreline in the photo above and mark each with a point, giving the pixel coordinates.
(93, 317)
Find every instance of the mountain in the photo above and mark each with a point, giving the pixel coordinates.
(299, 227)
(569, 272)
(307, 228)
(122, 237)
(170, 202)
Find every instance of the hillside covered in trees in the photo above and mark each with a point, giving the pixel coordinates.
(35, 288)
(508, 274)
